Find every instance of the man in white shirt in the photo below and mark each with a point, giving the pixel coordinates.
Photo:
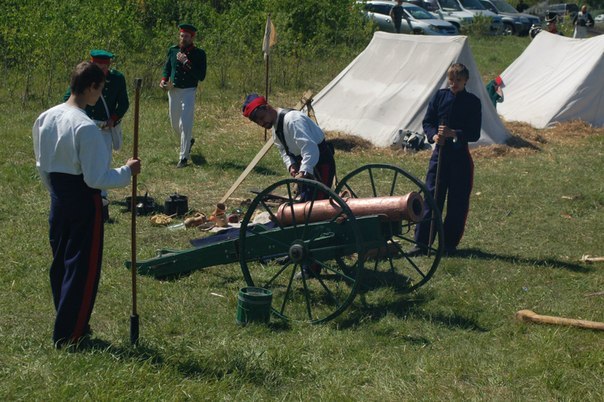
(71, 158)
(299, 140)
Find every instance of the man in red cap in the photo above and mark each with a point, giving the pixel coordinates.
(299, 140)
(185, 67)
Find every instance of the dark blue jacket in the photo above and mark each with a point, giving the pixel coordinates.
(461, 112)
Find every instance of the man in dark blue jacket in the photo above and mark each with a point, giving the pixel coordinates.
(453, 119)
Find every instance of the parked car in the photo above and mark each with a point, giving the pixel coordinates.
(422, 22)
(514, 23)
(599, 18)
(425, 23)
(466, 10)
(433, 8)
(564, 11)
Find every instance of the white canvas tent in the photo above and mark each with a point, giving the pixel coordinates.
(556, 79)
(388, 86)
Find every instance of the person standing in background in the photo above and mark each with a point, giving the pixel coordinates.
(109, 110)
(495, 91)
(397, 13)
(551, 19)
(185, 67)
(582, 21)
(521, 6)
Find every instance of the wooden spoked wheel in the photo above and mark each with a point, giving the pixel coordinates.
(298, 261)
(398, 263)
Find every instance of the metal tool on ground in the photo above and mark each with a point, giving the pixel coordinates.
(530, 316)
(134, 319)
(340, 244)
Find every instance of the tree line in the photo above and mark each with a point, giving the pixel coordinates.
(42, 40)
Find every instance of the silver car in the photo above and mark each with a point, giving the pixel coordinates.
(416, 20)
(514, 23)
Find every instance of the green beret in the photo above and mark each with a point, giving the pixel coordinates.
(101, 54)
(187, 27)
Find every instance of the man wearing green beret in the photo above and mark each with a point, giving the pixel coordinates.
(185, 67)
(109, 110)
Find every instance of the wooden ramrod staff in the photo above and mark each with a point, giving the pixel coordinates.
(134, 321)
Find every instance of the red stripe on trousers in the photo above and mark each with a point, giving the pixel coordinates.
(93, 268)
(465, 218)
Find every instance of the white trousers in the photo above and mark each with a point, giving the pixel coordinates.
(580, 32)
(182, 108)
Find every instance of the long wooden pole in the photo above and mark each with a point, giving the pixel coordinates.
(248, 169)
(436, 195)
(441, 150)
(134, 320)
(530, 316)
(266, 68)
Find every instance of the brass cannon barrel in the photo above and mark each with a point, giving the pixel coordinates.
(408, 207)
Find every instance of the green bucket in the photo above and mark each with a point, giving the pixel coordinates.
(254, 305)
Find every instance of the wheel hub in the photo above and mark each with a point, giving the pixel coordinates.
(297, 252)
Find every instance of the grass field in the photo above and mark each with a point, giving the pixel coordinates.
(535, 211)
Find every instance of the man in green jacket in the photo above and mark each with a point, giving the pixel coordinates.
(109, 110)
(113, 105)
(185, 67)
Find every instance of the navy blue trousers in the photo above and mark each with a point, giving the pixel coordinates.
(76, 238)
(324, 171)
(456, 180)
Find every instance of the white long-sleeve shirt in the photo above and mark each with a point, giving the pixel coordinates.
(67, 141)
(302, 137)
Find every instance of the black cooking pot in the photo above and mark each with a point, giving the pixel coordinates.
(176, 204)
(144, 204)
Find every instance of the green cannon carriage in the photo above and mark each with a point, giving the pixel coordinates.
(340, 240)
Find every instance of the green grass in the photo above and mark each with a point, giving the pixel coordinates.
(453, 339)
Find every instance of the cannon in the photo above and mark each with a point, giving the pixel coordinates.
(357, 238)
